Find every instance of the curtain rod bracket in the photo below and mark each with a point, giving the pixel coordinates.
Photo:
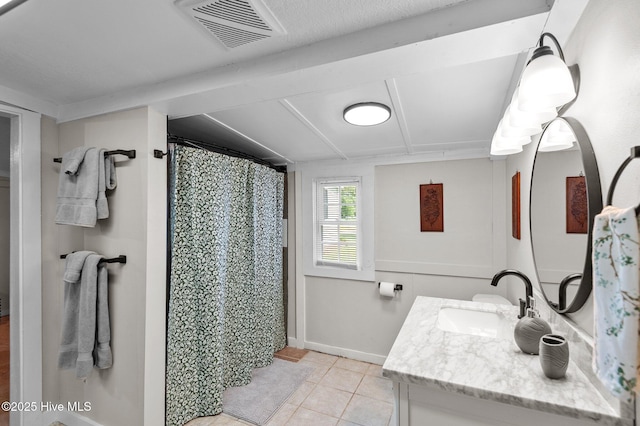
(158, 153)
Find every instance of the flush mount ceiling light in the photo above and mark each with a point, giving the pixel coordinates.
(7, 5)
(546, 81)
(366, 114)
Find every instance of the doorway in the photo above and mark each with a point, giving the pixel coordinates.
(5, 212)
(25, 366)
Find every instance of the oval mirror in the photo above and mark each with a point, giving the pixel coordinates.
(565, 197)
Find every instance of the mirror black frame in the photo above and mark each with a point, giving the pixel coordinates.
(594, 207)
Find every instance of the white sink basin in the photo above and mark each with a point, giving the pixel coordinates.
(475, 322)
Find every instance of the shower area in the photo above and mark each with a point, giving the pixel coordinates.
(225, 297)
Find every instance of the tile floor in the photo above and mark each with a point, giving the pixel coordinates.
(340, 392)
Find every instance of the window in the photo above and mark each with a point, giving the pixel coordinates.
(337, 224)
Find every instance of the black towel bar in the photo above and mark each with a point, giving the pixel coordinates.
(131, 153)
(120, 259)
(635, 153)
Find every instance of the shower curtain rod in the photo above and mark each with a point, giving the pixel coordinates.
(222, 150)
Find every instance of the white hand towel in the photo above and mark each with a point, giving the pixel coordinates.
(616, 300)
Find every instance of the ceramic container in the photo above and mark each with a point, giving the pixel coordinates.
(528, 332)
(554, 356)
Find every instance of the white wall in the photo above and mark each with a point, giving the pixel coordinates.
(605, 44)
(132, 391)
(347, 316)
(557, 253)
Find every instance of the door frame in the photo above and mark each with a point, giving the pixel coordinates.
(25, 297)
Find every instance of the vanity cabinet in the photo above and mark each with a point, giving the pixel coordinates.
(461, 379)
(423, 406)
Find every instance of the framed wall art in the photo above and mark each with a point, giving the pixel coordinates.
(431, 208)
(577, 207)
(515, 206)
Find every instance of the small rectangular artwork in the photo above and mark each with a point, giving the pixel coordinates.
(515, 206)
(431, 208)
(577, 208)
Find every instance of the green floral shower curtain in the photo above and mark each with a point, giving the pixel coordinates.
(226, 313)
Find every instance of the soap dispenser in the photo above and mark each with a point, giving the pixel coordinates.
(530, 329)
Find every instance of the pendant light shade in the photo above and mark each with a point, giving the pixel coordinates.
(501, 145)
(557, 136)
(367, 114)
(519, 126)
(519, 116)
(546, 81)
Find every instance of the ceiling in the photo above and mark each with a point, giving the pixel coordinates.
(446, 68)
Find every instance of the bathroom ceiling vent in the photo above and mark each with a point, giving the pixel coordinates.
(233, 22)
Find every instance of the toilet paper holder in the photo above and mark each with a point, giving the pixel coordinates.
(397, 287)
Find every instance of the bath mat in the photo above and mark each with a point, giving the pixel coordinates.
(270, 387)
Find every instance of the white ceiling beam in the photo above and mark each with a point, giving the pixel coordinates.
(213, 90)
(248, 138)
(396, 102)
(499, 40)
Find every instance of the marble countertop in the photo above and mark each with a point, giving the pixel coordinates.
(488, 368)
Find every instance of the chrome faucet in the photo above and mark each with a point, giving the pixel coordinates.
(524, 304)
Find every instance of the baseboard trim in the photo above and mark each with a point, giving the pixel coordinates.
(347, 353)
(293, 342)
(67, 418)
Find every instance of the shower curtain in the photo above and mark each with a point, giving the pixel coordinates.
(226, 313)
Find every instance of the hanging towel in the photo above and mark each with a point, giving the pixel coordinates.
(106, 180)
(102, 350)
(68, 353)
(78, 193)
(616, 300)
(86, 332)
(73, 159)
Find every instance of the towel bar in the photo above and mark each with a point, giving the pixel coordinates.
(120, 259)
(131, 153)
(635, 153)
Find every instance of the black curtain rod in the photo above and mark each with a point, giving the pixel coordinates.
(209, 146)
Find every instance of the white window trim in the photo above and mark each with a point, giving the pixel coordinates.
(357, 180)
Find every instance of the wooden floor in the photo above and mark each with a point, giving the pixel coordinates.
(4, 367)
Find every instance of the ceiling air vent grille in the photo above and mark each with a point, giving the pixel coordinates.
(230, 36)
(233, 22)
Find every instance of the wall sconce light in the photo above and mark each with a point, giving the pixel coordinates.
(546, 81)
(367, 114)
(557, 136)
(545, 85)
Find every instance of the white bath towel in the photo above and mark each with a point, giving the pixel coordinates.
(616, 293)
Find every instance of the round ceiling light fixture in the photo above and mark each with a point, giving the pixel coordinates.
(366, 114)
